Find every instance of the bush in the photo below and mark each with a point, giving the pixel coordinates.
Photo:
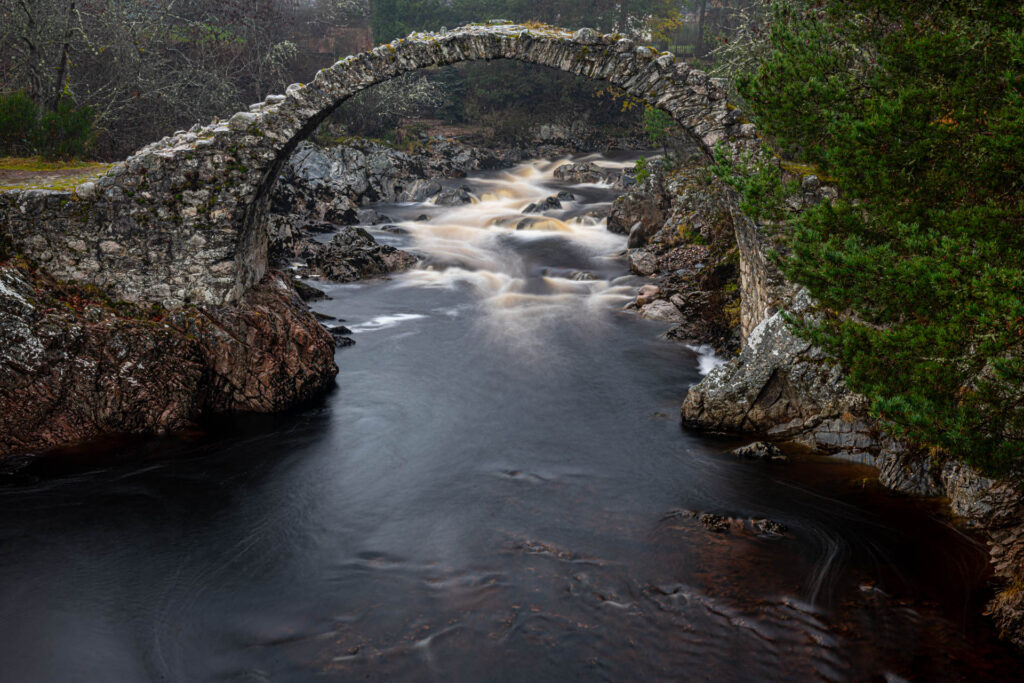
(641, 171)
(658, 125)
(64, 133)
(18, 114)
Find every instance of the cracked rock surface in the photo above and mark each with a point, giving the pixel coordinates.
(75, 365)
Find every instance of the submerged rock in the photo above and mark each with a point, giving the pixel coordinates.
(549, 204)
(371, 217)
(720, 524)
(769, 527)
(713, 522)
(760, 450)
(552, 203)
(341, 337)
(455, 197)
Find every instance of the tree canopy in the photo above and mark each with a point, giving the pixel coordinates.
(915, 110)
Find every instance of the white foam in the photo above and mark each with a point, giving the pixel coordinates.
(383, 322)
(707, 359)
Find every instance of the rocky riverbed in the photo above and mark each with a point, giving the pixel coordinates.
(323, 188)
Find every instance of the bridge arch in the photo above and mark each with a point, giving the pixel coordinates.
(183, 220)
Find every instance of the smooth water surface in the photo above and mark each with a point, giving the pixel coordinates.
(498, 490)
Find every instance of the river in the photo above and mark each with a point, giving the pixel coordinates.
(497, 490)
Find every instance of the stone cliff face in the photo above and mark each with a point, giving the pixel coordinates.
(75, 365)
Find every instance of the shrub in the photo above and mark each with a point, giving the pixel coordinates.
(641, 171)
(18, 114)
(658, 125)
(64, 133)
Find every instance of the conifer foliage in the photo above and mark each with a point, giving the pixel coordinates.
(915, 110)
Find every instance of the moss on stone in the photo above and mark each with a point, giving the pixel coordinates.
(803, 170)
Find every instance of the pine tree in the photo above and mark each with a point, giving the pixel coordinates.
(915, 110)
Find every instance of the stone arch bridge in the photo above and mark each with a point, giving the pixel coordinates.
(183, 220)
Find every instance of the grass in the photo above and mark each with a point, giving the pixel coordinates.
(44, 166)
(30, 173)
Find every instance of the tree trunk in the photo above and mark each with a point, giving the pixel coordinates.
(65, 65)
(698, 50)
(65, 58)
(32, 56)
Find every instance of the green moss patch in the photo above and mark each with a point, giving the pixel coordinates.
(33, 173)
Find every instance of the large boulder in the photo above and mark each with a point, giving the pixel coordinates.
(785, 387)
(587, 172)
(353, 255)
(661, 310)
(641, 212)
(75, 365)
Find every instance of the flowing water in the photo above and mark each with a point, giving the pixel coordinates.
(498, 490)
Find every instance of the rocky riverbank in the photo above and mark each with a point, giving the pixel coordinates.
(681, 223)
(75, 365)
(778, 386)
(784, 388)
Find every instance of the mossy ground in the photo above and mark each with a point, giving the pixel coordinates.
(20, 173)
(803, 170)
